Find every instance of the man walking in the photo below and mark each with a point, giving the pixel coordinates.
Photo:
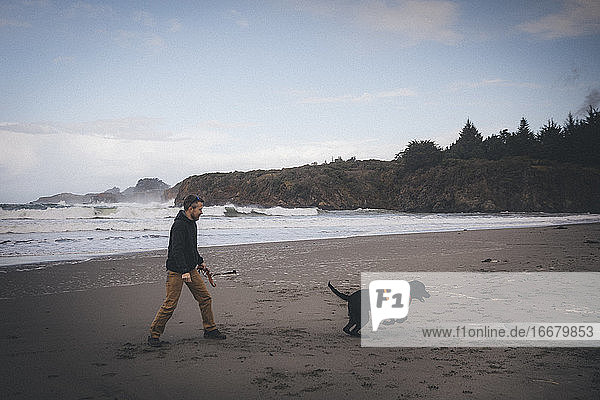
(183, 262)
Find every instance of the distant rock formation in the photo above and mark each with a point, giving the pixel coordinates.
(147, 190)
(68, 198)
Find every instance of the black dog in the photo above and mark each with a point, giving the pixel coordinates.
(358, 305)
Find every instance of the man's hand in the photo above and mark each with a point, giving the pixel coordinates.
(186, 277)
(204, 269)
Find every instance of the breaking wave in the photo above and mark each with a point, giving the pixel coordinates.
(48, 232)
(39, 212)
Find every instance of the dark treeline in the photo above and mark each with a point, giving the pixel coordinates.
(576, 141)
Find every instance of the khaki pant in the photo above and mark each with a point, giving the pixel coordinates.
(174, 286)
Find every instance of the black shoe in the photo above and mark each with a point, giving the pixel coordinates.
(155, 342)
(214, 334)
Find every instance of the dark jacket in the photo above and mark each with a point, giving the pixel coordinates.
(183, 253)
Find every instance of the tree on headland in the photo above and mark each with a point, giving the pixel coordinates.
(570, 125)
(522, 142)
(577, 141)
(495, 146)
(469, 143)
(420, 154)
(552, 141)
(580, 140)
(586, 139)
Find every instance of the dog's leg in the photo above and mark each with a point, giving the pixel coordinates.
(355, 330)
(358, 327)
(353, 325)
(349, 325)
(351, 319)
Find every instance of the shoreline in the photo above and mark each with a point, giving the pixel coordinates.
(283, 324)
(78, 258)
(147, 267)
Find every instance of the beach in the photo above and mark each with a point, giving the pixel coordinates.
(77, 330)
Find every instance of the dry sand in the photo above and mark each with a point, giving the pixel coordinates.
(283, 325)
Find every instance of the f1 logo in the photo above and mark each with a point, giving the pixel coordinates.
(389, 300)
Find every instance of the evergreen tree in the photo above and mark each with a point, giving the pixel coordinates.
(593, 117)
(552, 141)
(524, 130)
(469, 143)
(522, 142)
(494, 147)
(585, 139)
(577, 141)
(570, 125)
(421, 154)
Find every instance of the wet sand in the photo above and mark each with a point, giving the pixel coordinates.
(78, 330)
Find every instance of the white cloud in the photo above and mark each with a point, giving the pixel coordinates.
(154, 41)
(36, 3)
(38, 160)
(90, 10)
(429, 20)
(220, 125)
(138, 40)
(50, 161)
(414, 20)
(239, 19)
(144, 18)
(577, 18)
(365, 97)
(61, 60)
(495, 82)
(139, 128)
(174, 25)
(17, 153)
(150, 33)
(11, 23)
(27, 128)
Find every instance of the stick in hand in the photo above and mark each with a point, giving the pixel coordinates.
(208, 276)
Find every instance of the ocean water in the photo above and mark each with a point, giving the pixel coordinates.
(32, 234)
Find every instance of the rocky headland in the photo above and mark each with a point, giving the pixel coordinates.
(146, 190)
(454, 185)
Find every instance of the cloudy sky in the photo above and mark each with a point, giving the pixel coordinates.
(96, 94)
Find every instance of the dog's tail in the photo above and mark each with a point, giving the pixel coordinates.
(339, 294)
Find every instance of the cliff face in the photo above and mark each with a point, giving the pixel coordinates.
(453, 186)
(341, 185)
